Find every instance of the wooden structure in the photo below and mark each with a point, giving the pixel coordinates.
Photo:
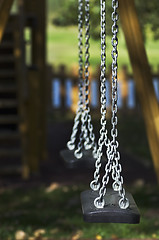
(22, 86)
(5, 7)
(142, 75)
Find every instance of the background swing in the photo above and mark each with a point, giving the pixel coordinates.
(101, 204)
(82, 151)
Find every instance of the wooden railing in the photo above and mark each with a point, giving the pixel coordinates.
(5, 7)
(63, 90)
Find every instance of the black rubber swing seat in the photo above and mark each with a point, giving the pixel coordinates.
(111, 213)
(72, 162)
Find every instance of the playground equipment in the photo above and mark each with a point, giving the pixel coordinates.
(101, 204)
(22, 87)
(82, 147)
(23, 118)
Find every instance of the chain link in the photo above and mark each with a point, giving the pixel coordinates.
(103, 140)
(84, 129)
(86, 137)
(71, 143)
(91, 143)
(87, 134)
(116, 166)
(113, 155)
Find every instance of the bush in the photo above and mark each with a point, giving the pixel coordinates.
(147, 12)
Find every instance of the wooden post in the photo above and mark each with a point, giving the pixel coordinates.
(5, 7)
(37, 9)
(21, 72)
(142, 75)
(33, 120)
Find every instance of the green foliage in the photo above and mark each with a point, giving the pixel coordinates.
(67, 15)
(147, 12)
(54, 5)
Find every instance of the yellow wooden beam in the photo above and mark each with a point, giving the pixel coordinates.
(5, 7)
(39, 60)
(142, 75)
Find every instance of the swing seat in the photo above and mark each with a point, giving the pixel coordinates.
(111, 213)
(72, 162)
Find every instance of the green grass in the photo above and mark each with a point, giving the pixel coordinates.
(62, 48)
(58, 213)
(57, 210)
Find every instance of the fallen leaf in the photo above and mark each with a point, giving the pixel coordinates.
(39, 232)
(52, 187)
(20, 235)
(154, 235)
(139, 183)
(77, 235)
(98, 237)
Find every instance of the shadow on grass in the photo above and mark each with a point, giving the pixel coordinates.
(57, 210)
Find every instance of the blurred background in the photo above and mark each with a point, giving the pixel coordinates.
(39, 194)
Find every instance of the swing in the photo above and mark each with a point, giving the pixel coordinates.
(102, 204)
(82, 152)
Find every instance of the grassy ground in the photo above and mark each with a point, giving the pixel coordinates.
(62, 48)
(55, 212)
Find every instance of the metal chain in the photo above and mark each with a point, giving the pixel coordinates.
(87, 136)
(71, 143)
(103, 140)
(113, 156)
(90, 144)
(83, 116)
(116, 166)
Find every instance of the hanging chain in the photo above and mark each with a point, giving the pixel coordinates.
(90, 144)
(86, 136)
(116, 166)
(71, 143)
(103, 140)
(86, 78)
(113, 156)
(83, 116)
